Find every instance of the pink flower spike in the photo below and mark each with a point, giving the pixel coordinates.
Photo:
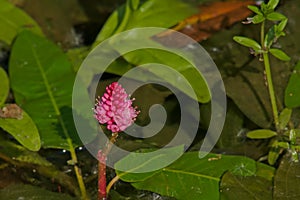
(115, 108)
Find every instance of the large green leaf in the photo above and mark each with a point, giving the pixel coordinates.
(13, 20)
(286, 180)
(258, 186)
(4, 86)
(23, 130)
(292, 92)
(28, 192)
(42, 80)
(190, 176)
(150, 13)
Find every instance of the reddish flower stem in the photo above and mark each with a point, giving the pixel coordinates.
(102, 156)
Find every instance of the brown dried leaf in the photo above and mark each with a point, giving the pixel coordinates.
(212, 18)
(11, 111)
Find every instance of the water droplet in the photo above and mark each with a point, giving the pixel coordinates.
(80, 148)
(64, 151)
(34, 170)
(291, 94)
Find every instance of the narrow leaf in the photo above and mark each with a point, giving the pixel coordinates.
(258, 19)
(23, 130)
(272, 4)
(274, 153)
(275, 16)
(4, 86)
(284, 117)
(292, 91)
(281, 25)
(42, 80)
(280, 54)
(261, 134)
(255, 9)
(247, 42)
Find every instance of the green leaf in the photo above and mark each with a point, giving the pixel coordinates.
(13, 20)
(152, 13)
(286, 180)
(280, 54)
(29, 192)
(22, 154)
(77, 55)
(237, 187)
(190, 176)
(42, 81)
(272, 4)
(292, 91)
(178, 63)
(275, 16)
(284, 117)
(247, 42)
(281, 26)
(274, 153)
(261, 134)
(4, 86)
(258, 19)
(23, 130)
(270, 36)
(255, 9)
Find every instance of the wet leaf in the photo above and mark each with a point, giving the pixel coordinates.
(261, 134)
(29, 192)
(42, 81)
(13, 20)
(292, 92)
(280, 54)
(286, 180)
(248, 91)
(21, 157)
(4, 86)
(23, 130)
(247, 42)
(22, 154)
(284, 117)
(190, 176)
(257, 187)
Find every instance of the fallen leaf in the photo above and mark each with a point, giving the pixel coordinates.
(211, 18)
(11, 111)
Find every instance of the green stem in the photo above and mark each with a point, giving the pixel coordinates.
(271, 89)
(269, 76)
(77, 171)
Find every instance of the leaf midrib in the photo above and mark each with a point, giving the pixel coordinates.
(52, 99)
(191, 174)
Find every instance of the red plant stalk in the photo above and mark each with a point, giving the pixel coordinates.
(101, 176)
(115, 109)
